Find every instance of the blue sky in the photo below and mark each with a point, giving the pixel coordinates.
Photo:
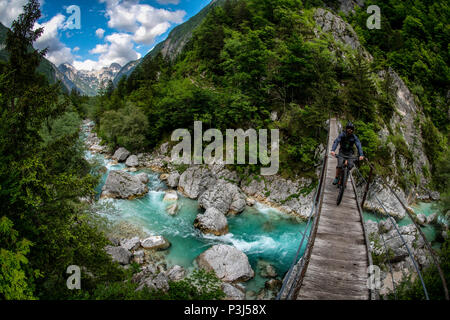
(111, 30)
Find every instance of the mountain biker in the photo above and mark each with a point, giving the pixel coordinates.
(346, 140)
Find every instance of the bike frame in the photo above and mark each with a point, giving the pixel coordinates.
(343, 176)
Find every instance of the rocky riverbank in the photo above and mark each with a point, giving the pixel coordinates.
(388, 249)
(214, 191)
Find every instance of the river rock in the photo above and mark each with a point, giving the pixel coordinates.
(119, 254)
(139, 256)
(385, 226)
(432, 218)
(130, 244)
(155, 243)
(195, 180)
(228, 263)
(371, 227)
(176, 273)
(231, 292)
(170, 196)
(122, 185)
(143, 177)
(172, 209)
(121, 154)
(212, 221)
(225, 197)
(132, 161)
(172, 179)
(273, 284)
(421, 219)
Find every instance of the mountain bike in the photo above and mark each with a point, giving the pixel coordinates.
(343, 177)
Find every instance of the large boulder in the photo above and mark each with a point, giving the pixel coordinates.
(121, 154)
(195, 180)
(228, 263)
(132, 161)
(225, 197)
(170, 196)
(122, 185)
(212, 221)
(143, 177)
(232, 293)
(119, 254)
(172, 179)
(155, 243)
(130, 244)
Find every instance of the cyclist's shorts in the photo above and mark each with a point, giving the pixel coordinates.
(341, 160)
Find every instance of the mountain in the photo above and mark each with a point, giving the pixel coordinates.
(126, 70)
(174, 43)
(45, 67)
(90, 82)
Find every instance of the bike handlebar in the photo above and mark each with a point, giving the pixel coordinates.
(346, 157)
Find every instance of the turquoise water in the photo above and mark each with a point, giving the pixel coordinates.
(261, 232)
(425, 208)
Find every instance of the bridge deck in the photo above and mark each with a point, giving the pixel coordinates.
(337, 268)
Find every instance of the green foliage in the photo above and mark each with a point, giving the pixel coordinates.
(413, 290)
(413, 40)
(14, 284)
(126, 127)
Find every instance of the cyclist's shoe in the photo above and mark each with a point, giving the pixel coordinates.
(335, 181)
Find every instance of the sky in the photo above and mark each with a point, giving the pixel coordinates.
(104, 31)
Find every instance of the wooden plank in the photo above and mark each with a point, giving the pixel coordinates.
(339, 262)
(341, 239)
(342, 247)
(338, 254)
(339, 225)
(320, 295)
(355, 274)
(315, 293)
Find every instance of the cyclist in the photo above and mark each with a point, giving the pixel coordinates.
(346, 140)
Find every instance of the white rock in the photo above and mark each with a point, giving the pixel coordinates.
(170, 196)
(228, 263)
(130, 244)
(155, 243)
(232, 293)
(143, 177)
(212, 221)
(121, 154)
(122, 185)
(119, 254)
(172, 179)
(132, 161)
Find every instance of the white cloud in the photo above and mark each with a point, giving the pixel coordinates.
(57, 52)
(119, 49)
(76, 49)
(143, 21)
(99, 32)
(11, 9)
(168, 1)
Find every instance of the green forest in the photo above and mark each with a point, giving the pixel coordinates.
(245, 61)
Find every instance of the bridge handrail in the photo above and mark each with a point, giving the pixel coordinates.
(427, 244)
(316, 204)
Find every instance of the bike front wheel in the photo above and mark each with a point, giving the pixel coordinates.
(342, 187)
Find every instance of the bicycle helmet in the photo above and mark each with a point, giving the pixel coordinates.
(350, 126)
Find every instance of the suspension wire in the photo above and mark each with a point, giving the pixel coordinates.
(430, 249)
(311, 214)
(404, 243)
(384, 244)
